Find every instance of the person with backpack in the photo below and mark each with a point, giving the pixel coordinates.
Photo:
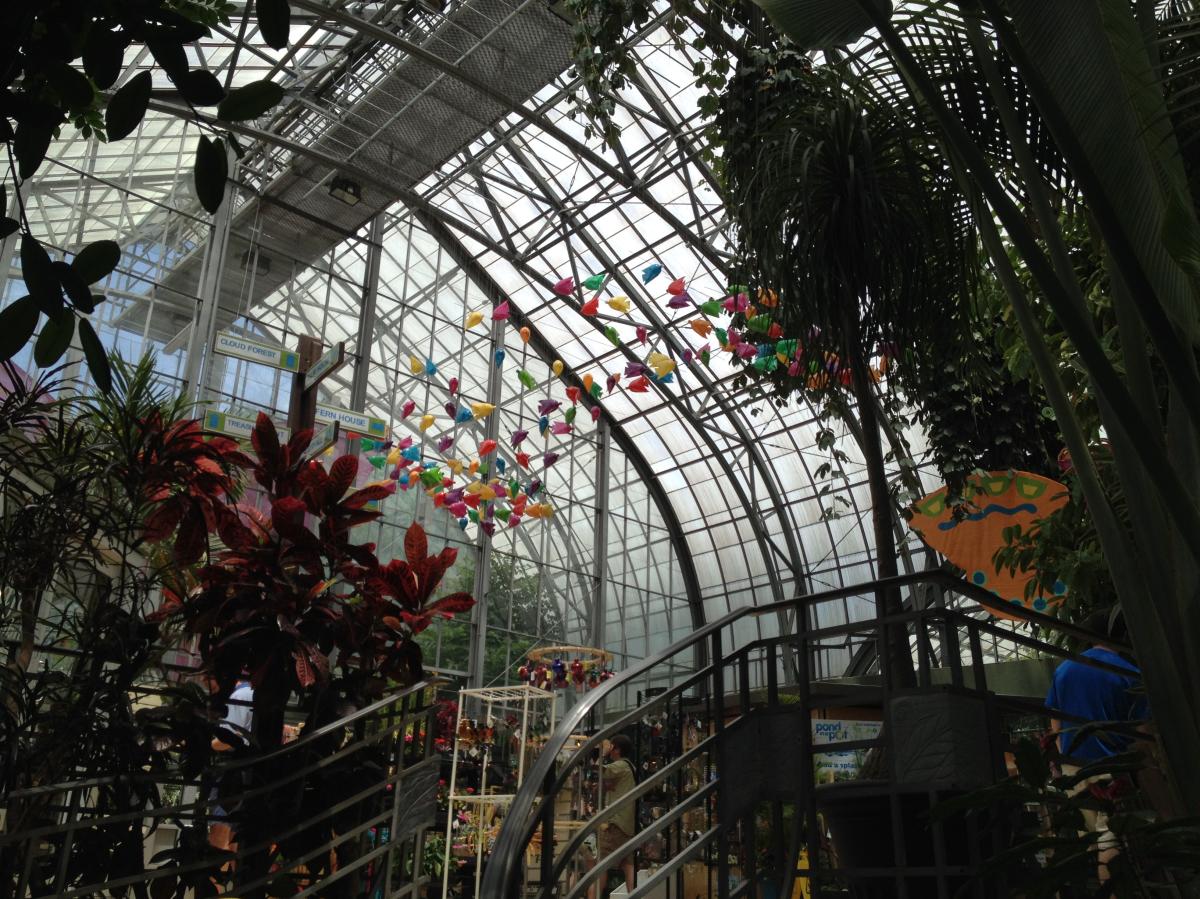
(617, 779)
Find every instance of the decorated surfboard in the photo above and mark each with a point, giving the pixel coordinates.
(997, 500)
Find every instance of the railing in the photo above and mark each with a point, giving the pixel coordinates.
(354, 797)
(740, 687)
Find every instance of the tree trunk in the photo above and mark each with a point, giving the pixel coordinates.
(896, 648)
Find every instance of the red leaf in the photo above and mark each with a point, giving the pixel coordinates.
(161, 523)
(265, 440)
(232, 532)
(416, 545)
(189, 544)
(304, 669)
(299, 443)
(452, 604)
(360, 498)
(287, 515)
(204, 463)
(342, 474)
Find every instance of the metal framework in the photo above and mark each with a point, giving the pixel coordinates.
(454, 119)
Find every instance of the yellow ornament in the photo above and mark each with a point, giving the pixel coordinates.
(482, 410)
(426, 422)
(620, 304)
(557, 367)
(393, 458)
(415, 365)
(473, 318)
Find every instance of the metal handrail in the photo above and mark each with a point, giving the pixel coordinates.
(521, 822)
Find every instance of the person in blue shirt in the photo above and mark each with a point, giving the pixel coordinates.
(1087, 693)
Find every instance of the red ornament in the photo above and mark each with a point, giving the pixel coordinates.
(577, 673)
(523, 673)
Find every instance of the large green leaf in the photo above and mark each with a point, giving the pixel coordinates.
(250, 101)
(818, 24)
(210, 171)
(55, 338)
(128, 106)
(274, 21)
(17, 323)
(96, 261)
(38, 271)
(97, 359)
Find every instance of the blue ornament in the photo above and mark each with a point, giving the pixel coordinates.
(650, 272)
(430, 368)
(463, 416)
(412, 454)
(499, 357)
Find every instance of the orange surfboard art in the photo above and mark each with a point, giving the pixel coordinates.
(1001, 499)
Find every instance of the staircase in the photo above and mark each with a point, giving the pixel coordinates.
(350, 807)
(735, 810)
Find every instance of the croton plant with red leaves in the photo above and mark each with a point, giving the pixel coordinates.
(293, 599)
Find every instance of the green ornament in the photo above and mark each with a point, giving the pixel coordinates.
(526, 378)
(596, 391)
(761, 323)
(503, 514)
(738, 288)
(377, 461)
(705, 356)
(722, 336)
(473, 515)
(712, 307)
(787, 347)
(595, 282)
(569, 415)
(513, 488)
(611, 333)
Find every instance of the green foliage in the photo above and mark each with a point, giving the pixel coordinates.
(63, 61)
(1055, 856)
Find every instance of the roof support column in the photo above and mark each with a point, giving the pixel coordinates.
(366, 315)
(600, 551)
(204, 325)
(483, 567)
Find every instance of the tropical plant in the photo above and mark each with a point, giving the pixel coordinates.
(61, 60)
(1108, 82)
(79, 478)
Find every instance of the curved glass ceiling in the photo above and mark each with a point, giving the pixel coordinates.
(680, 504)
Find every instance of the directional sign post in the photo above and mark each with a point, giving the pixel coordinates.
(333, 359)
(229, 344)
(367, 425)
(233, 425)
(324, 439)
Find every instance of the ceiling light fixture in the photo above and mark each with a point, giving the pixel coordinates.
(349, 192)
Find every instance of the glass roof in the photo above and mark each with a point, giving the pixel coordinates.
(680, 504)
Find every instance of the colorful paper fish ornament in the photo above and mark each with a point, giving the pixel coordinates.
(487, 446)
(564, 287)
(633, 369)
(498, 358)
(676, 287)
(711, 307)
(450, 408)
(407, 409)
(557, 367)
(760, 323)
(613, 380)
(523, 459)
(444, 444)
(545, 407)
(549, 459)
(377, 461)
(500, 465)
(430, 368)
(639, 384)
(501, 312)
(518, 436)
(620, 304)
(462, 416)
(738, 302)
(701, 326)
(426, 422)
(642, 335)
(525, 334)
(662, 365)
(591, 307)
(560, 427)
(473, 319)
(456, 466)
(681, 301)
(405, 442)
(595, 282)
(687, 355)
(613, 337)
(596, 390)
(543, 425)
(414, 365)
(650, 272)
(453, 385)
(482, 410)
(595, 410)
(573, 393)
(412, 454)
(503, 514)
(393, 458)
(775, 331)
(767, 298)
(569, 415)
(526, 379)
(588, 380)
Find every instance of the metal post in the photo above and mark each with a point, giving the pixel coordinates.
(483, 569)
(450, 803)
(199, 351)
(600, 538)
(366, 315)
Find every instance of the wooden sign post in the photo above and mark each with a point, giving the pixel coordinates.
(315, 367)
